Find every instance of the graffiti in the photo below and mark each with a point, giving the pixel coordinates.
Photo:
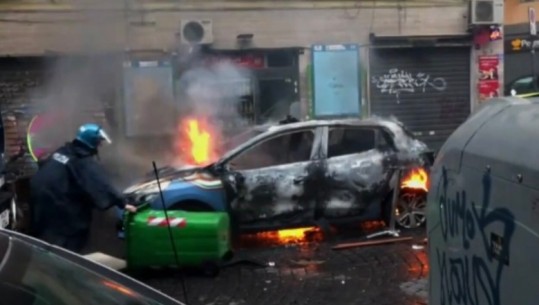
(473, 275)
(398, 81)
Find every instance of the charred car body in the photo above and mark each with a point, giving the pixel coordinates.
(297, 174)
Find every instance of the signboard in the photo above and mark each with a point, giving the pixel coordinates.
(533, 21)
(149, 98)
(336, 81)
(250, 60)
(517, 45)
(488, 84)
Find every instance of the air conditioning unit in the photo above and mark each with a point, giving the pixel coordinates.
(487, 12)
(196, 31)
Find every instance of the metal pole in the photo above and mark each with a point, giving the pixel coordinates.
(533, 69)
(390, 229)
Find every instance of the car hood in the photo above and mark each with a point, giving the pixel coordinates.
(167, 174)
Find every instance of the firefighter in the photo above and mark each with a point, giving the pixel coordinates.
(66, 188)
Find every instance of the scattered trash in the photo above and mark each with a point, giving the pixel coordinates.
(418, 247)
(370, 243)
(271, 264)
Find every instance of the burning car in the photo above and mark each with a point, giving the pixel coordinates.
(298, 174)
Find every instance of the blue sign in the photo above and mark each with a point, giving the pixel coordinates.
(336, 80)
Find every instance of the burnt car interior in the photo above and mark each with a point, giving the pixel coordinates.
(344, 141)
(282, 149)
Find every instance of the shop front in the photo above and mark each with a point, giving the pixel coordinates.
(521, 60)
(426, 87)
(247, 87)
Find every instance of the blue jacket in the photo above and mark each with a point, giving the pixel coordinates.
(65, 189)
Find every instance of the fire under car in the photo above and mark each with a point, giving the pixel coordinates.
(301, 174)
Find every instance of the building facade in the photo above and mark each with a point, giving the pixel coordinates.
(522, 63)
(416, 60)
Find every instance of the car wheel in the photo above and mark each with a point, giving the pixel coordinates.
(411, 210)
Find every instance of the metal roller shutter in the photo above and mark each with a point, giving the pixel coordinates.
(428, 89)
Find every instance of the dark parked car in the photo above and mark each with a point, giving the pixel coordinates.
(35, 273)
(296, 174)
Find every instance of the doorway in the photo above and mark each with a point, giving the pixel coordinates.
(274, 99)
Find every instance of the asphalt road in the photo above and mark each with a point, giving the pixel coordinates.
(310, 273)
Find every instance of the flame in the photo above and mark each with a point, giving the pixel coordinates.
(416, 179)
(283, 237)
(197, 142)
(291, 235)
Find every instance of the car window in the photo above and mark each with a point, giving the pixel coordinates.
(35, 276)
(522, 86)
(345, 141)
(239, 139)
(283, 149)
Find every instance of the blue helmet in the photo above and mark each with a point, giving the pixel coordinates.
(92, 135)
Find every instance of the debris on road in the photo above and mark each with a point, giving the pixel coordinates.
(420, 246)
(107, 260)
(369, 243)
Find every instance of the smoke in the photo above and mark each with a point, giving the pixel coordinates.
(213, 95)
(90, 88)
(80, 85)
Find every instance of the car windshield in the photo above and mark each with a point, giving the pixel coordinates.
(32, 275)
(240, 138)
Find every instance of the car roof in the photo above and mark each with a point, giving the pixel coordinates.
(371, 121)
(403, 139)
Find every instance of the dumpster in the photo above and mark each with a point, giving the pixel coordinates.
(202, 239)
(483, 208)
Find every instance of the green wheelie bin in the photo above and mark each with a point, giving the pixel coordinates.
(202, 239)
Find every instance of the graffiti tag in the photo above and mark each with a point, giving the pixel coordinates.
(473, 275)
(398, 81)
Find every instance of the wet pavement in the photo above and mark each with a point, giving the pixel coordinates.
(309, 273)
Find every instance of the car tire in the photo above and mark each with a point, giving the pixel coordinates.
(413, 204)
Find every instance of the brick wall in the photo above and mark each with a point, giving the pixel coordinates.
(40, 31)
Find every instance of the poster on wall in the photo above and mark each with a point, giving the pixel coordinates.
(149, 105)
(489, 82)
(336, 81)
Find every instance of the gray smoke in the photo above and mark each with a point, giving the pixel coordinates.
(212, 95)
(89, 88)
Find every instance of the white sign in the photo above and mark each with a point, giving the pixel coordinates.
(533, 21)
(4, 219)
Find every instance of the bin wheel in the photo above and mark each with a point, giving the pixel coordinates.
(210, 269)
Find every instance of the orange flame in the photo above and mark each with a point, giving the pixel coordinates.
(284, 237)
(416, 179)
(292, 235)
(200, 142)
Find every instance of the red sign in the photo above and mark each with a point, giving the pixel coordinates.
(253, 61)
(488, 89)
(489, 84)
(488, 67)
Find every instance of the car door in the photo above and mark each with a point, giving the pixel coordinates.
(270, 176)
(357, 172)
